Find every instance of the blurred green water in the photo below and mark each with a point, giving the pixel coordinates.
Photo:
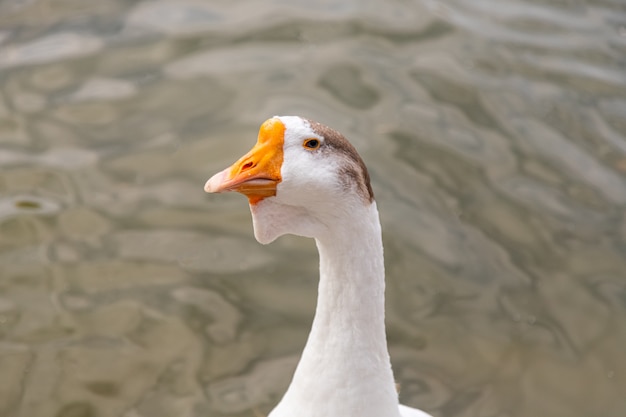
(495, 134)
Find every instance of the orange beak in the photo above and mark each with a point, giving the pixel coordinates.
(257, 173)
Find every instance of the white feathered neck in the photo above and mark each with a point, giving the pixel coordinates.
(345, 369)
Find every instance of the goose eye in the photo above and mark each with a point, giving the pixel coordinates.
(311, 144)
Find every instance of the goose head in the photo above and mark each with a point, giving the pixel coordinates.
(300, 178)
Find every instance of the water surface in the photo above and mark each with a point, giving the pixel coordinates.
(495, 133)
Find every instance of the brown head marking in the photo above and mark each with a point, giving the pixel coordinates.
(354, 171)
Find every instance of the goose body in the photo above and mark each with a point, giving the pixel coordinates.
(306, 179)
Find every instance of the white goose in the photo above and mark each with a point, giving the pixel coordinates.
(306, 179)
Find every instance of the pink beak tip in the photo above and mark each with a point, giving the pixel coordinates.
(213, 185)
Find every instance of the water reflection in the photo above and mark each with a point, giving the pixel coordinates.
(496, 140)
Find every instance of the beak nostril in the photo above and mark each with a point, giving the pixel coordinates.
(247, 166)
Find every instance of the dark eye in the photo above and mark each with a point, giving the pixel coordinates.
(311, 144)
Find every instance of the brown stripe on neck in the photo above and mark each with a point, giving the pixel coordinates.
(354, 171)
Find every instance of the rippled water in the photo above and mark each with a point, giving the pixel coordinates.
(495, 133)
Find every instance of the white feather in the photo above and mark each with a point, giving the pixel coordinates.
(345, 369)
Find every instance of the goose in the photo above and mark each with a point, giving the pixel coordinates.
(306, 179)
